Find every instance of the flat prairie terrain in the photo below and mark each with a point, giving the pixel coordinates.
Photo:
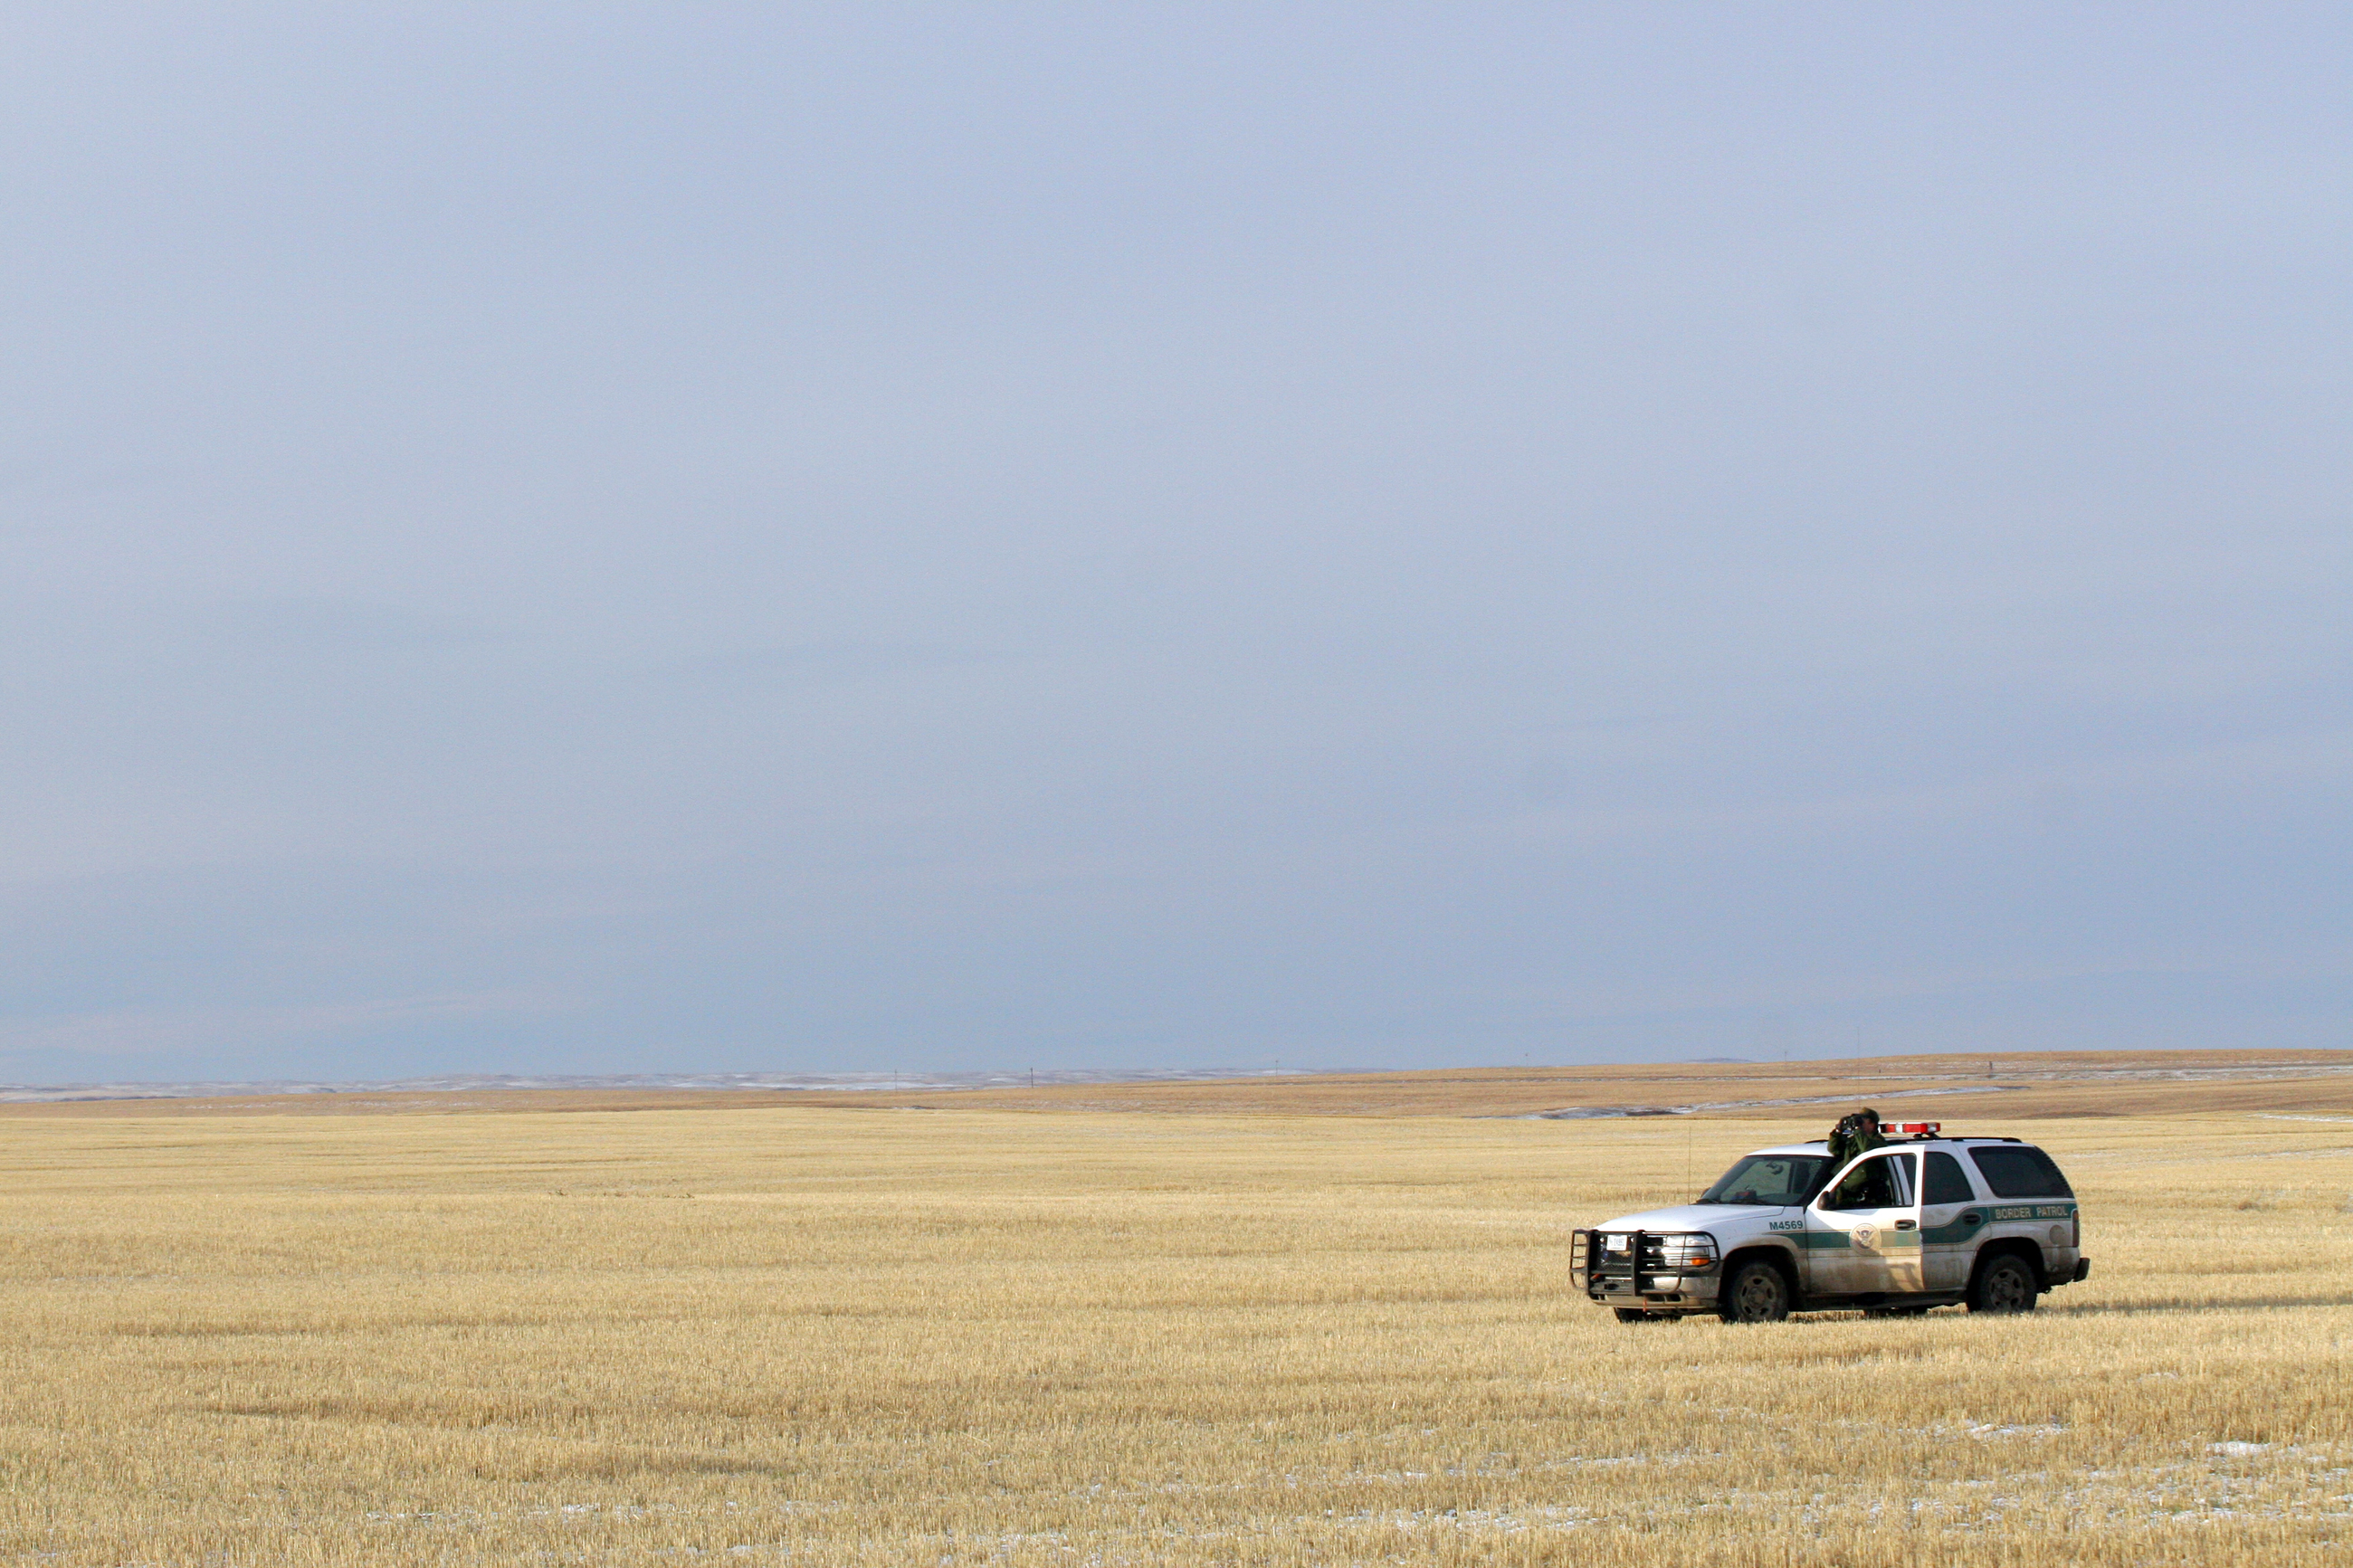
(787, 1332)
(2011, 1087)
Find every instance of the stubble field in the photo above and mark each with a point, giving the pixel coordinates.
(832, 1335)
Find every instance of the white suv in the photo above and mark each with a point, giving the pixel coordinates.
(1924, 1221)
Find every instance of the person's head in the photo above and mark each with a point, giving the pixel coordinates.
(1869, 1117)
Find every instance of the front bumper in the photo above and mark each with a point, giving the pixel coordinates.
(1659, 1290)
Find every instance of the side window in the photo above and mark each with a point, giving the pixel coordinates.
(2018, 1170)
(1947, 1184)
(1877, 1183)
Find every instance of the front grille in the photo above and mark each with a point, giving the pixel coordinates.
(1630, 1260)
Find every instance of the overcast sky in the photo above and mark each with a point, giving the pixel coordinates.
(605, 538)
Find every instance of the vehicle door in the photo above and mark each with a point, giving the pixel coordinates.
(1952, 1218)
(1862, 1235)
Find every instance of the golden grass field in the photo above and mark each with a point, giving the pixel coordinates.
(763, 1332)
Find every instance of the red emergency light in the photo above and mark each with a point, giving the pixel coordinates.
(1911, 1129)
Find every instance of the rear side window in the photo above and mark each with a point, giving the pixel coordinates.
(1947, 1184)
(2019, 1172)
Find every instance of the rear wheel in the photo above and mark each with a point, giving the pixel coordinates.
(2004, 1284)
(1755, 1293)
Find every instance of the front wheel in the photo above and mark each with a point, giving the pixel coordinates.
(1756, 1293)
(2004, 1285)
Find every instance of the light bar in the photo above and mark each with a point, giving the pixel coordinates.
(1911, 1129)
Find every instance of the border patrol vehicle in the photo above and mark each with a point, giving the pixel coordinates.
(1921, 1221)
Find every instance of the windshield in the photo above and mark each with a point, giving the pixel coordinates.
(1774, 1179)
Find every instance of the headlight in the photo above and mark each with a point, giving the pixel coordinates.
(1687, 1254)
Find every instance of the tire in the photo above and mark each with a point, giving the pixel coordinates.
(2004, 1284)
(1757, 1292)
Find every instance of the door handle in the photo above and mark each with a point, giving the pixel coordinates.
(1907, 1225)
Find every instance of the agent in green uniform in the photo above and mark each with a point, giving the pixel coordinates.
(1853, 1135)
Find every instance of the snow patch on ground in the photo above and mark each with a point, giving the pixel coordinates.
(11, 1094)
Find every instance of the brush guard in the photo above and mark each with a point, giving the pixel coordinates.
(1602, 1271)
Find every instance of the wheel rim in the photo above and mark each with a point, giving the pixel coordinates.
(2006, 1287)
(1759, 1295)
